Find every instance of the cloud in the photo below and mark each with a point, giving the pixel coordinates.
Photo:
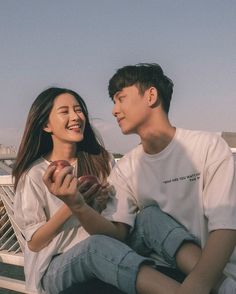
(10, 137)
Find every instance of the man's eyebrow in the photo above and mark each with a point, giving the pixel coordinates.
(117, 93)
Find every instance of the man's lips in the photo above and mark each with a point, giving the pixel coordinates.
(119, 120)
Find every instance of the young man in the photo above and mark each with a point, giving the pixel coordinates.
(189, 174)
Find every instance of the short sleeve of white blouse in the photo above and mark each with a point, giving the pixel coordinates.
(29, 205)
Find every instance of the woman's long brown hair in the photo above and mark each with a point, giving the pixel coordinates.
(92, 156)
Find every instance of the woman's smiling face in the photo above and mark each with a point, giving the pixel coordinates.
(66, 120)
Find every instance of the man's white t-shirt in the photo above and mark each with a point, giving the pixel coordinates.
(192, 179)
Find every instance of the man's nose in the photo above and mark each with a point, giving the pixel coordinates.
(115, 110)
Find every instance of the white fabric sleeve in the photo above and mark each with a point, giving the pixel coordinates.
(29, 207)
(122, 206)
(219, 195)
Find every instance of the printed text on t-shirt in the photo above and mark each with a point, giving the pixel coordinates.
(190, 178)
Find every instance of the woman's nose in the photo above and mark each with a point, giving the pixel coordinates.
(74, 115)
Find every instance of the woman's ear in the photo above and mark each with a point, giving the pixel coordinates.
(47, 129)
(153, 97)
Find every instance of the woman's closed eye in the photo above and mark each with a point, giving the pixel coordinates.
(78, 110)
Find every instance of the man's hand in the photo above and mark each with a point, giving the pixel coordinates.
(64, 186)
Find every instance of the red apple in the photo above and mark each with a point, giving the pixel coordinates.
(60, 164)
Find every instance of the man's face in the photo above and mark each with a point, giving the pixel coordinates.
(131, 110)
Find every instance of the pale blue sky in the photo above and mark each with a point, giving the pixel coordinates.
(80, 44)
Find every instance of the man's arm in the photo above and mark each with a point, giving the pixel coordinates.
(208, 270)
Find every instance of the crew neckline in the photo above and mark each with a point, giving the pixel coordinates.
(166, 150)
(50, 161)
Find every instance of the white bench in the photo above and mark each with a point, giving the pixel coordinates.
(11, 240)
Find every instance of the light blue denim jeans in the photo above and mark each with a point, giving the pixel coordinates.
(114, 262)
(98, 257)
(156, 231)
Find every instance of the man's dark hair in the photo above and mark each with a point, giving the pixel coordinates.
(144, 76)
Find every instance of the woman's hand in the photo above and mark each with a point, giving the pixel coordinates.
(64, 186)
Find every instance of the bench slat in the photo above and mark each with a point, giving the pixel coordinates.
(11, 240)
(13, 284)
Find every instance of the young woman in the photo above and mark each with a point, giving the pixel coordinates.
(60, 251)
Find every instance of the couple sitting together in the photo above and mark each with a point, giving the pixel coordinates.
(160, 220)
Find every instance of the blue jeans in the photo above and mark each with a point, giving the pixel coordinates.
(156, 231)
(98, 256)
(114, 262)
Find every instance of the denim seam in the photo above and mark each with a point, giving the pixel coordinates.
(73, 260)
(186, 237)
(133, 268)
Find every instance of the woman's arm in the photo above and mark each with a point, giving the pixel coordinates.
(65, 188)
(44, 235)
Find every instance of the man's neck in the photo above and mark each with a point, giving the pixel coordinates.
(157, 140)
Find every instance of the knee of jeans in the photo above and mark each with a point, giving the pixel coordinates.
(96, 242)
(148, 210)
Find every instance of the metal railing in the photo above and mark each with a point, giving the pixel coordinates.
(11, 240)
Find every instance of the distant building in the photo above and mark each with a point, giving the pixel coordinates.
(7, 158)
(7, 149)
(230, 138)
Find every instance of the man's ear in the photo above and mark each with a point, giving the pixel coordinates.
(153, 97)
